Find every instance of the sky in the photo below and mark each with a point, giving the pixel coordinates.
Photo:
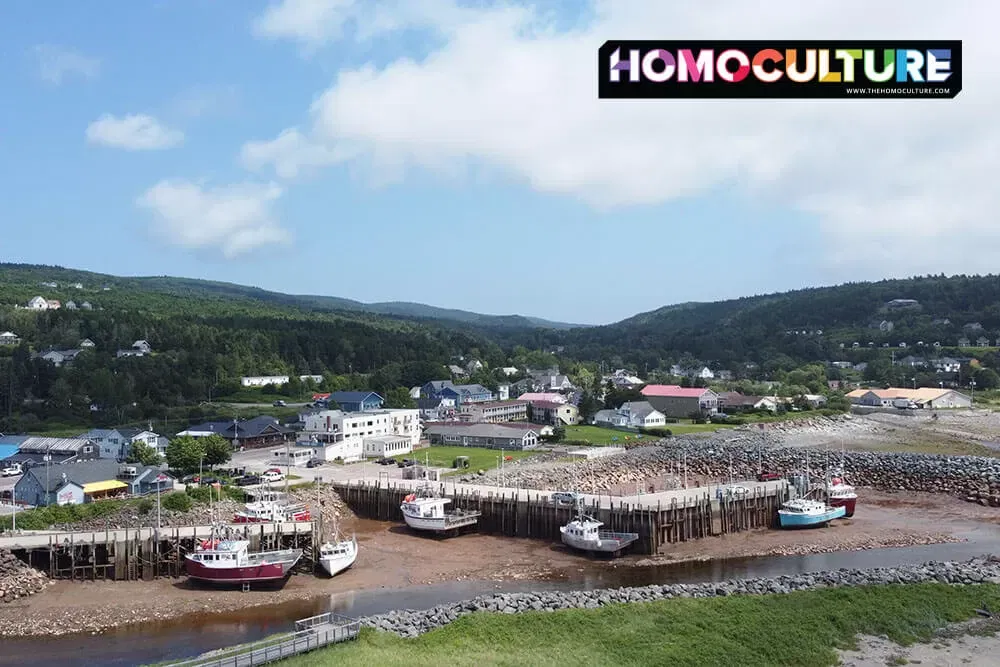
(456, 154)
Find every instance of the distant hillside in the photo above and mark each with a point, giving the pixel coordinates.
(28, 275)
(760, 328)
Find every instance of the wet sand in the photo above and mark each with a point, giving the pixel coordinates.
(392, 557)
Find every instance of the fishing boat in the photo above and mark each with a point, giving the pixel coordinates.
(584, 533)
(224, 558)
(841, 494)
(272, 507)
(338, 555)
(805, 513)
(425, 510)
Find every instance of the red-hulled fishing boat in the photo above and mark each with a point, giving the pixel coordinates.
(220, 559)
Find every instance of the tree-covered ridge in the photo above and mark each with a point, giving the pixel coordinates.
(755, 328)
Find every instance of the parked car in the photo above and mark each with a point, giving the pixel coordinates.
(739, 491)
(248, 480)
(314, 463)
(271, 476)
(12, 470)
(385, 461)
(209, 480)
(279, 404)
(768, 477)
(566, 497)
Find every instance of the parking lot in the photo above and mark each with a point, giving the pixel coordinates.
(259, 460)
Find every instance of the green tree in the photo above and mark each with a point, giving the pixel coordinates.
(217, 450)
(399, 397)
(589, 405)
(142, 453)
(987, 378)
(185, 453)
(558, 433)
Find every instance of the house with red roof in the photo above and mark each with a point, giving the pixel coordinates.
(681, 402)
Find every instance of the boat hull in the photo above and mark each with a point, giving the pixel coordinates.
(257, 572)
(800, 520)
(439, 524)
(608, 544)
(334, 565)
(847, 503)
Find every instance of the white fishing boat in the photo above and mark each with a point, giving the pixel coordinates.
(425, 510)
(339, 555)
(805, 513)
(584, 533)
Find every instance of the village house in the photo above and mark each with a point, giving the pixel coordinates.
(491, 436)
(633, 414)
(84, 482)
(9, 338)
(680, 402)
(436, 409)
(140, 348)
(86, 306)
(356, 401)
(38, 303)
(87, 344)
(71, 305)
(494, 412)
(509, 370)
(35, 450)
(623, 379)
(60, 357)
(255, 433)
(554, 412)
(263, 380)
(462, 394)
(116, 443)
(549, 396)
(947, 365)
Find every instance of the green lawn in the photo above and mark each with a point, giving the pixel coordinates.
(480, 458)
(597, 435)
(799, 629)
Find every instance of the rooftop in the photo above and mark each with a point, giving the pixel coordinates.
(673, 391)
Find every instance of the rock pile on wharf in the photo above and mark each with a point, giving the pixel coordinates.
(17, 580)
(409, 623)
(130, 516)
(709, 456)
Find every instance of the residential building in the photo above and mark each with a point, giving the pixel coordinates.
(77, 285)
(912, 361)
(116, 443)
(86, 306)
(473, 366)
(963, 342)
(143, 346)
(623, 379)
(9, 338)
(255, 433)
(87, 344)
(923, 397)
(357, 401)
(494, 412)
(263, 380)
(38, 303)
(491, 436)
(814, 400)
(342, 434)
(509, 370)
(503, 392)
(548, 396)
(140, 348)
(70, 305)
(633, 414)
(457, 371)
(462, 394)
(60, 357)
(82, 482)
(947, 365)
(415, 392)
(436, 409)
(555, 413)
(54, 304)
(551, 380)
(679, 402)
(982, 341)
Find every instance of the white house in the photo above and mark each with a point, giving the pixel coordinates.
(509, 370)
(142, 346)
(387, 445)
(9, 338)
(634, 414)
(86, 343)
(38, 303)
(610, 418)
(263, 380)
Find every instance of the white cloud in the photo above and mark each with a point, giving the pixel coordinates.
(233, 218)
(57, 63)
(203, 101)
(898, 186)
(290, 153)
(134, 132)
(311, 22)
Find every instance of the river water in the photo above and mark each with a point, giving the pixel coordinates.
(196, 634)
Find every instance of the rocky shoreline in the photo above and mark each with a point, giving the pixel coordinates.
(410, 623)
(708, 457)
(18, 580)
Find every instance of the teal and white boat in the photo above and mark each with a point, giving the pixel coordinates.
(805, 513)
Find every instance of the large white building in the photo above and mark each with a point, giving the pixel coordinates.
(264, 380)
(344, 435)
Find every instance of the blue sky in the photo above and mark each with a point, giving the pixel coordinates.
(418, 173)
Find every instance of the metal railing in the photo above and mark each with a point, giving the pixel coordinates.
(310, 634)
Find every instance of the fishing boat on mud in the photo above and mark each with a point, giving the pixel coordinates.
(226, 558)
(425, 511)
(805, 513)
(339, 554)
(584, 533)
(841, 494)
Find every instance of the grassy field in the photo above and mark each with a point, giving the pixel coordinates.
(597, 435)
(480, 458)
(800, 629)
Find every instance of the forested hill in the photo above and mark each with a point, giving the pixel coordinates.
(761, 328)
(26, 278)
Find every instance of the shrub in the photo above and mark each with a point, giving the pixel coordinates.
(179, 502)
(202, 494)
(145, 506)
(657, 432)
(235, 493)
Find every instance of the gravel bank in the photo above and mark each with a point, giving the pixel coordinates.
(17, 580)
(973, 478)
(409, 623)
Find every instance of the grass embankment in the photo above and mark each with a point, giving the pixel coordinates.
(480, 458)
(800, 629)
(600, 436)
